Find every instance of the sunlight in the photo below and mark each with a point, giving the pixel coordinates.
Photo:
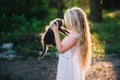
(102, 68)
(97, 47)
(114, 14)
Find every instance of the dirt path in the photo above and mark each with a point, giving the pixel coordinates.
(107, 69)
(32, 69)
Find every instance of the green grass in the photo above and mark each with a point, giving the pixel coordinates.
(105, 35)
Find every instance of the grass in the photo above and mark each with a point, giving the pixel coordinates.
(105, 35)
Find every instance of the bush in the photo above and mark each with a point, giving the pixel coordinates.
(107, 35)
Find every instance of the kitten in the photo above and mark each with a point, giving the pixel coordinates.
(48, 37)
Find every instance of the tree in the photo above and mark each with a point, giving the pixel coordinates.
(95, 10)
(60, 8)
(111, 4)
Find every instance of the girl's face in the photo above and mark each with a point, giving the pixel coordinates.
(68, 26)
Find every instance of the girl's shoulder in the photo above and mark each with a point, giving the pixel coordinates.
(76, 35)
(71, 36)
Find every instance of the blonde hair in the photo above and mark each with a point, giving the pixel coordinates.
(77, 19)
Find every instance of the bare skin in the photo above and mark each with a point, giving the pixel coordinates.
(63, 47)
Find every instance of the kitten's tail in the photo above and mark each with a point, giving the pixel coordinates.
(43, 52)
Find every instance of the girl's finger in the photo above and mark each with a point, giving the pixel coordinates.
(56, 23)
(53, 25)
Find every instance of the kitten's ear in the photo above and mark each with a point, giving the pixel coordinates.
(52, 22)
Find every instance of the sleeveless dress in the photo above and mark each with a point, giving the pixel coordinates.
(69, 64)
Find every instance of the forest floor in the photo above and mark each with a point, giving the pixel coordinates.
(33, 69)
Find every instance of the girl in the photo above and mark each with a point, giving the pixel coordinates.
(75, 49)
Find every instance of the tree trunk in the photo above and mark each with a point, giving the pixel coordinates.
(111, 4)
(60, 8)
(95, 10)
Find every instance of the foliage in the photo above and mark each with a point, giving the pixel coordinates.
(17, 13)
(19, 18)
(105, 35)
(81, 3)
(27, 49)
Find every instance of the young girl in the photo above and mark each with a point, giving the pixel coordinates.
(75, 49)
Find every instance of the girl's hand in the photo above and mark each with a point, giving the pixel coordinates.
(54, 27)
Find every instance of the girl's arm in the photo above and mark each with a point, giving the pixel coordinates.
(59, 45)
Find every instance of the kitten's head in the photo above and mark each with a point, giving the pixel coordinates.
(59, 21)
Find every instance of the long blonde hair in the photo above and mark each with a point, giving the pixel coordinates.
(77, 19)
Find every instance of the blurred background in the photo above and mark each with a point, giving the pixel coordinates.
(22, 23)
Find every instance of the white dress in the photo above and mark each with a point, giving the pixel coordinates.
(69, 64)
